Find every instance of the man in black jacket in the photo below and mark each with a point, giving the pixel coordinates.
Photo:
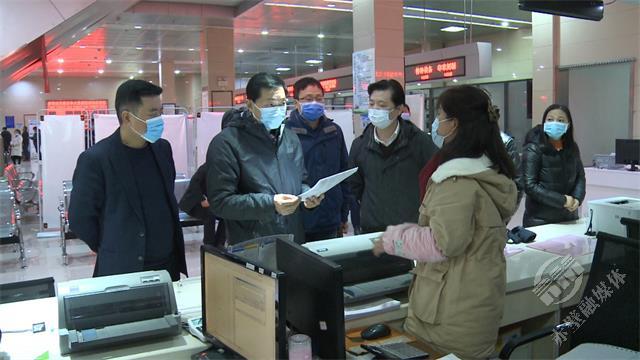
(512, 150)
(389, 154)
(256, 167)
(6, 141)
(195, 203)
(122, 203)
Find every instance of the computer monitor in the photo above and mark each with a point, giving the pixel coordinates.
(314, 293)
(243, 305)
(581, 9)
(628, 152)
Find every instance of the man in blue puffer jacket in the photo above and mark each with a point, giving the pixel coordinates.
(325, 154)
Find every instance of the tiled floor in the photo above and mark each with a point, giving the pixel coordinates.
(44, 254)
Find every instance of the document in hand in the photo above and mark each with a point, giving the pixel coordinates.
(327, 183)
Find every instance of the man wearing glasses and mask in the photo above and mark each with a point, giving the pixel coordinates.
(256, 168)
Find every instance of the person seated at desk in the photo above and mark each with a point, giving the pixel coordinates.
(195, 203)
(256, 167)
(554, 177)
(457, 298)
(122, 203)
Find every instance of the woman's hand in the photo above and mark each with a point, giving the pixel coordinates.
(571, 204)
(378, 247)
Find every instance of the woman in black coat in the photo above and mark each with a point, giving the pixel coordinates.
(554, 178)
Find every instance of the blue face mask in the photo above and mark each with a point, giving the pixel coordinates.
(155, 127)
(312, 111)
(379, 118)
(438, 139)
(272, 117)
(555, 129)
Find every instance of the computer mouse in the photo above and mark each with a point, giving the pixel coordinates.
(375, 331)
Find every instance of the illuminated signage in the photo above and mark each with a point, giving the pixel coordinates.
(435, 70)
(68, 107)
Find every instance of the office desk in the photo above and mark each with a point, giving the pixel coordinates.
(21, 315)
(520, 304)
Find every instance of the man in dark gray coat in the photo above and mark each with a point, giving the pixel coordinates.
(389, 154)
(256, 167)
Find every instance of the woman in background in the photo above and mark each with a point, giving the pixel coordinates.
(16, 148)
(554, 178)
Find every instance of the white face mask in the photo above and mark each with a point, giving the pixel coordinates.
(379, 118)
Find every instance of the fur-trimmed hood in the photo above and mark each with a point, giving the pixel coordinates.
(499, 187)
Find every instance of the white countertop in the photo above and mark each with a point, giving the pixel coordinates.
(521, 270)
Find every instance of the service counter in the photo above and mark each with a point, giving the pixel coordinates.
(524, 311)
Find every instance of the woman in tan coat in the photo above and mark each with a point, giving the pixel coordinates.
(456, 301)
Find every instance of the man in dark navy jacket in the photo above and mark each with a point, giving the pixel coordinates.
(122, 204)
(325, 154)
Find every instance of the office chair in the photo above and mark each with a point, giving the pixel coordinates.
(633, 227)
(615, 322)
(27, 290)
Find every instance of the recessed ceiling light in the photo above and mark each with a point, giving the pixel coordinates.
(498, 49)
(60, 61)
(60, 71)
(108, 61)
(131, 77)
(140, 71)
(541, 66)
(313, 61)
(100, 71)
(151, 81)
(285, 52)
(240, 51)
(138, 27)
(138, 47)
(455, 80)
(504, 23)
(453, 29)
(246, 72)
(418, 84)
(283, 68)
(321, 36)
(329, 54)
(331, 5)
(514, 75)
(58, 89)
(192, 49)
(176, 72)
(265, 32)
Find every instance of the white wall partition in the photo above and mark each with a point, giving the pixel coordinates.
(62, 143)
(175, 131)
(416, 105)
(104, 125)
(208, 126)
(344, 118)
